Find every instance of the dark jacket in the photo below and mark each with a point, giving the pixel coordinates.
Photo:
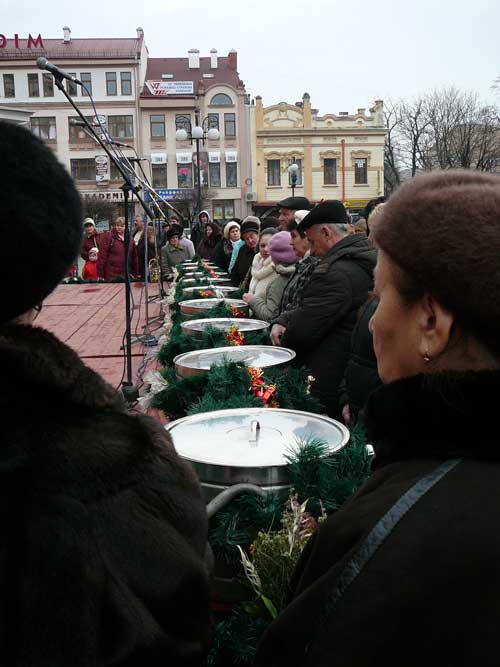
(90, 242)
(430, 593)
(361, 375)
(111, 262)
(223, 253)
(102, 558)
(320, 328)
(292, 294)
(207, 247)
(242, 264)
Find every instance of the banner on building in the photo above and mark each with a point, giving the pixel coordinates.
(161, 88)
(184, 158)
(101, 168)
(158, 158)
(169, 194)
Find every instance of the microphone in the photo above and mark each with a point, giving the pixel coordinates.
(75, 121)
(43, 63)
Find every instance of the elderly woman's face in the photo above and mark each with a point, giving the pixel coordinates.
(395, 327)
(251, 239)
(234, 234)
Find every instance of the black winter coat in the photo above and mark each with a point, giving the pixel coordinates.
(320, 329)
(242, 264)
(361, 375)
(104, 531)
(430, 594)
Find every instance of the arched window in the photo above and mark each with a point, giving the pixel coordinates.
(221, 100)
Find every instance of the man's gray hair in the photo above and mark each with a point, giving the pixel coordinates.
(340, 228)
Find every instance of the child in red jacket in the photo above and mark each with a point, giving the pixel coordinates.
(90, 269)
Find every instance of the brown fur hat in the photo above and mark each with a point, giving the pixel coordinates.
(443, 230)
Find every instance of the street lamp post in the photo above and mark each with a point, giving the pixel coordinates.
(293, 169)
(207, 129)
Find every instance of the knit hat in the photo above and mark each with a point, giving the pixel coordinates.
(294, 203)
(88, 221)
(328, 212)
(280, 249)
(94, 250)
(40, 205)
(250, 224)
(229, 226)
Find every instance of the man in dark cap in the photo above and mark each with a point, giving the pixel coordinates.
(287, 208)
(319, 329)
(104, 530)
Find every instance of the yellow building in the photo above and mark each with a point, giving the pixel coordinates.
(339, 156)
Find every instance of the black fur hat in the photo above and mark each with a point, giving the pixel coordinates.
(41, 214)
(328, 212)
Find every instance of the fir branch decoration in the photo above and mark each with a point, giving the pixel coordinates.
(235, 640)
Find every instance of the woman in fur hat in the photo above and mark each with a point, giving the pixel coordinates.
(405, 573)
(104, 529)
(224, 250)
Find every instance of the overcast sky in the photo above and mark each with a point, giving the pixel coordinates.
(344, 53)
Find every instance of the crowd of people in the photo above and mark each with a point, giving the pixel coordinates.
(104, 557)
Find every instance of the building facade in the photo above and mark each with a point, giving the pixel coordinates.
(182, 93)
(339, 156)
(112, 69)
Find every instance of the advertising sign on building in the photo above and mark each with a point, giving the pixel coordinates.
(169, 194)
(161, 88)
(101, 168)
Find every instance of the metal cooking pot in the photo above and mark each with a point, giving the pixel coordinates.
(197, 327)
(199, 306)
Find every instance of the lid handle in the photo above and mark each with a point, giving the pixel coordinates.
(254, 432)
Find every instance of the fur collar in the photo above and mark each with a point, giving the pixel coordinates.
(262, 268)
(38, 368)
(436, 416)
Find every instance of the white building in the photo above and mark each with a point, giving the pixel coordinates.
(112, 69)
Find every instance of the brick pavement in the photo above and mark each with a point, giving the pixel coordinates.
(90, 318)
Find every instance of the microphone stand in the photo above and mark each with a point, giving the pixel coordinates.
(130, 392)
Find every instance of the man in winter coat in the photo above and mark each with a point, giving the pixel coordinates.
(287, 209)
(104, 530)
(320, 328)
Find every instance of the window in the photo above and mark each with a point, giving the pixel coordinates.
(159, 173)
(183, 121)
(330, 171)
(221, 100)
(214, 174)
(121, 127)
(213, 120)
(44, 128)
(231, 174)
(86, 79)
(83, 170)
(111, 88)
(77, 133)
(299, 173)
(9, 89)
(114, 174)
(223, 210)
(273, 172)
(360, 171)
(48, 85)
(157, 125)
(33, 85)
(126, 83)
(185, 175)
(71, 87)
(230, 124)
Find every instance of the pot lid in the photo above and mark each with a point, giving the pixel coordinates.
(251, 437)
(224, 323)
(204, 304)
(253, 356)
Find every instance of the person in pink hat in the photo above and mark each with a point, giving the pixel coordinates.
(264, 296)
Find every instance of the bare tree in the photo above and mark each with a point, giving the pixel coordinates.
(392, 148)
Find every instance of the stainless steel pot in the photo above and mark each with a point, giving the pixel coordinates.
(199, 306)
(198, 362)
(249, 445)
(197, 327)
